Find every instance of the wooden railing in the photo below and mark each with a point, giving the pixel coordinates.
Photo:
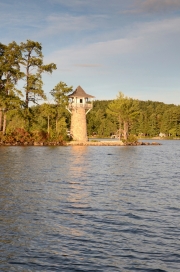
(80, 105)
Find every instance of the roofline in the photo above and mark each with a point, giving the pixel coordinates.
(82, 93)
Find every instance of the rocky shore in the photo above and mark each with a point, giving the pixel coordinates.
(77, 143)
(108, 143)
(32, 144)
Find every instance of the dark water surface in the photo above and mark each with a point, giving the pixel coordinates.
(90, 208)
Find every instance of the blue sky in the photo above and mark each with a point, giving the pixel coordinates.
(105, 46)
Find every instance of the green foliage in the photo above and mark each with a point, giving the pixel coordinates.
(126, 110)
(131, 139)
(17, 62)
(15, 121)
(10, 73)
(32, 61)
(145, 118)
(99, 122)
(60, 92)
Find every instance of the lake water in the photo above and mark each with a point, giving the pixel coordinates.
(90, 208)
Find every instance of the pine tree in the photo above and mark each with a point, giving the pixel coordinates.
(59, 93)
(126, 109)
(32, 61)
(10, 73)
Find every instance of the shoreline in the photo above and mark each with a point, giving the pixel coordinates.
(109, 143)
(79, 143)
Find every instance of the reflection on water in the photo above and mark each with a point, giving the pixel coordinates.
(90, 208)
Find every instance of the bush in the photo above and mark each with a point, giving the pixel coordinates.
(131, 139)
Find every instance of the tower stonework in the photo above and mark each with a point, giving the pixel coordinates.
(78, 125)
(79, 105)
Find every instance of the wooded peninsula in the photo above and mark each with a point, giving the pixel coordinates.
(26, 117)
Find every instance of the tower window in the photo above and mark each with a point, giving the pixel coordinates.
(81, 100)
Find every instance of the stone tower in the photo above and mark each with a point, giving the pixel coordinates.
(79, 105)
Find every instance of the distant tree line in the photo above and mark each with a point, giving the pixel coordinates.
(126, 116)
(24, 118)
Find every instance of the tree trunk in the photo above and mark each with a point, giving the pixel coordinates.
(27, 100)
(48, 126)
(27, 96)
(125, 130)
(0, 119)
(56, 124)
(27, 86)
(119, 127)
(4, 124)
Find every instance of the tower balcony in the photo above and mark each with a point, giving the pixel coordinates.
(87, 106)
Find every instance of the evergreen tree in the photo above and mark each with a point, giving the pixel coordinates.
(32, 61)
(126, 109)
(59, 93)
(10, 73)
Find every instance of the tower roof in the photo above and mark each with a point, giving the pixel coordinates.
(79, 92)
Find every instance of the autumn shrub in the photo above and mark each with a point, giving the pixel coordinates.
(39, 136)
(21, 135)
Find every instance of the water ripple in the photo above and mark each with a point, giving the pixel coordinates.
(90, 208)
